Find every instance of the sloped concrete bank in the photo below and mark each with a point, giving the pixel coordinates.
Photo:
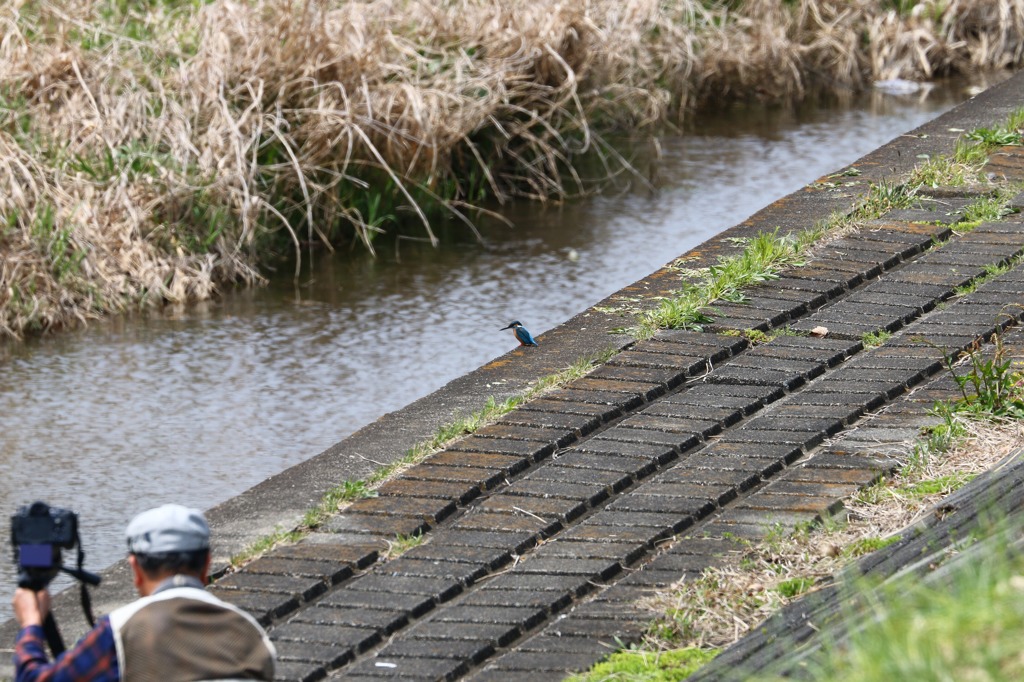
(544, 529)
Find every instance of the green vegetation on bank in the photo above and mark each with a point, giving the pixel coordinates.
(767, 254)
(966, 627)
(158, 150)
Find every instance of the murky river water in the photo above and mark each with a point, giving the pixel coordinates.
(198, 406)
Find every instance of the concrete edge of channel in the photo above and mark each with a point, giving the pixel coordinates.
(280, 501)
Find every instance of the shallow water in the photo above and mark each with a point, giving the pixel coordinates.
(199, 405)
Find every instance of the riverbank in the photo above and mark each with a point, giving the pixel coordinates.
(159, 152)
(664, 376)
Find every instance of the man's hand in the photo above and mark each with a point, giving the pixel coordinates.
(30, 608)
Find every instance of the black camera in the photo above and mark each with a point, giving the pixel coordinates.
(38, 534)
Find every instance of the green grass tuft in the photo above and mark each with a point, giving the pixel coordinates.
(648, 666)
(968, 629)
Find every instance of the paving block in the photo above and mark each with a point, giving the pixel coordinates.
(570, 583)
(591, 494)
(456, 491)
(564, 510)
(479, 477)
(677, 506)
(302, 588)
(561, 662)
(560, 437)
(642, 389)
(340, 637)
(491, 558)
(328, 655)
(385, 622)
(477, 520)
(428, 509)
(531, 449)
(652, 451)
(497, 634)
(359, 556)
(473, 651)
(593, 569)
(380, 667)
(657, 521)
(738, 479)
(296, 671)
(666, 378)
(328, 572)
(510, 464)
(263, 606)
(523, 616)
(770, 502)
(450, 571)
(407, 605)
(604, 461)
(697, 494)
(516, 542)
(375, 524)
(624, 551)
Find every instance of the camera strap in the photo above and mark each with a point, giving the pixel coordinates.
(86, 598)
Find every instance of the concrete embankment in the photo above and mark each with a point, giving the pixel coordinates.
(543, 530)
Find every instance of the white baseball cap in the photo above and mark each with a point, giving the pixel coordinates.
(170, 528)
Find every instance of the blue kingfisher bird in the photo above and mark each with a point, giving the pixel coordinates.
(522, 335)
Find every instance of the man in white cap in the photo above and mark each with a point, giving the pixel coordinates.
(176, 631)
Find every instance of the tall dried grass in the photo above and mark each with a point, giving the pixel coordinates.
(154, 150)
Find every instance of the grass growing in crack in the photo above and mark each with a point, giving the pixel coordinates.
(349, 491)
(762, 257)
(264, 545)
(991, 272)
(988, 208)
(403, 543)
(876, 338)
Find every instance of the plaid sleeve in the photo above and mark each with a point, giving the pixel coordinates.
(93, 658)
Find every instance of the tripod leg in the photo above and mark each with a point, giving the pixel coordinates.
(53, 637)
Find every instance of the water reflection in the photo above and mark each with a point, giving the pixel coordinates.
(198, 405)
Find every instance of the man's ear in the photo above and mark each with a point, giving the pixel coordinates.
(137, 575)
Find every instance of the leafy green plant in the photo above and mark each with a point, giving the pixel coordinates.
(991, 387)
(995, 137)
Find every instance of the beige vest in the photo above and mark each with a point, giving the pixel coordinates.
(184, 634)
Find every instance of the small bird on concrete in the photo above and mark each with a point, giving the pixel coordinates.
(522, 335)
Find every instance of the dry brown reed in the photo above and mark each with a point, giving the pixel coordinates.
(152, 151)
